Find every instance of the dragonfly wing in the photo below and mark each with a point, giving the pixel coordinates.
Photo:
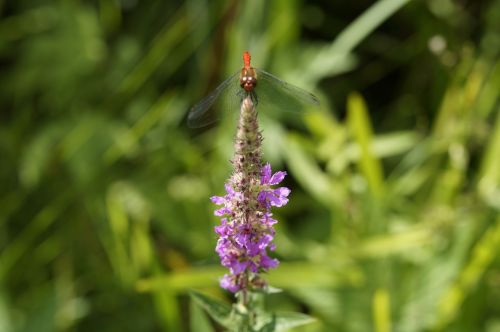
(205, 112)
(281, 96)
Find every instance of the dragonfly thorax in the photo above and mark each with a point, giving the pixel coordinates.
(248, 79)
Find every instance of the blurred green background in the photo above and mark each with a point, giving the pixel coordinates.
(393, 223)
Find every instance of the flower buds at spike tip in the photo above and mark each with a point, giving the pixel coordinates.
(246, 230)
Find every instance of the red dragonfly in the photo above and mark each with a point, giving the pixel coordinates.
(266, 90)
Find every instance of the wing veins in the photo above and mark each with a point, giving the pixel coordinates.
(200, 109)
(300, 94)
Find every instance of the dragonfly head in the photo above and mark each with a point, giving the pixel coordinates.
(248, 79)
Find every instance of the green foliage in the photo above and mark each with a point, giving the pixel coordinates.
(393, 222)
(218, 310)
(234, 318)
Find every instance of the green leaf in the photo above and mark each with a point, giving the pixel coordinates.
(198, 321)
(273, 290)
(218, 310)
(269, 327)
(288, 320)
(489, 174)
(483, 254)
(300, 161)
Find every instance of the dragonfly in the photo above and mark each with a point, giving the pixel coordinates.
(270, 93)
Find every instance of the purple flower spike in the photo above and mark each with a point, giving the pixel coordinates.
(246, 232)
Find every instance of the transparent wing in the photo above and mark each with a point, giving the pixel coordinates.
(277, 96)
(223, 99)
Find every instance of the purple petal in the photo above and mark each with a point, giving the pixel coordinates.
(278, 198)
(274, 199)
(223, 229)
(237, 196)
(253, 249)
(228, 282)
(282, 191)
(253, 267)
(267, 262)
(277, 178)
(279, 201)
(268, 220)
(217, 200)
(222, 246)
(242, 239)
(229, 189)
(237, 267)
(264, 241)
(262, 197)
(222, 211)
(265, 173)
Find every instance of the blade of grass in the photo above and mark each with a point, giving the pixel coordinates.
(360, 126)
(328, 59)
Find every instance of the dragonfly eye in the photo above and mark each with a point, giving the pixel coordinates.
(248, 79)
(248, 83)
